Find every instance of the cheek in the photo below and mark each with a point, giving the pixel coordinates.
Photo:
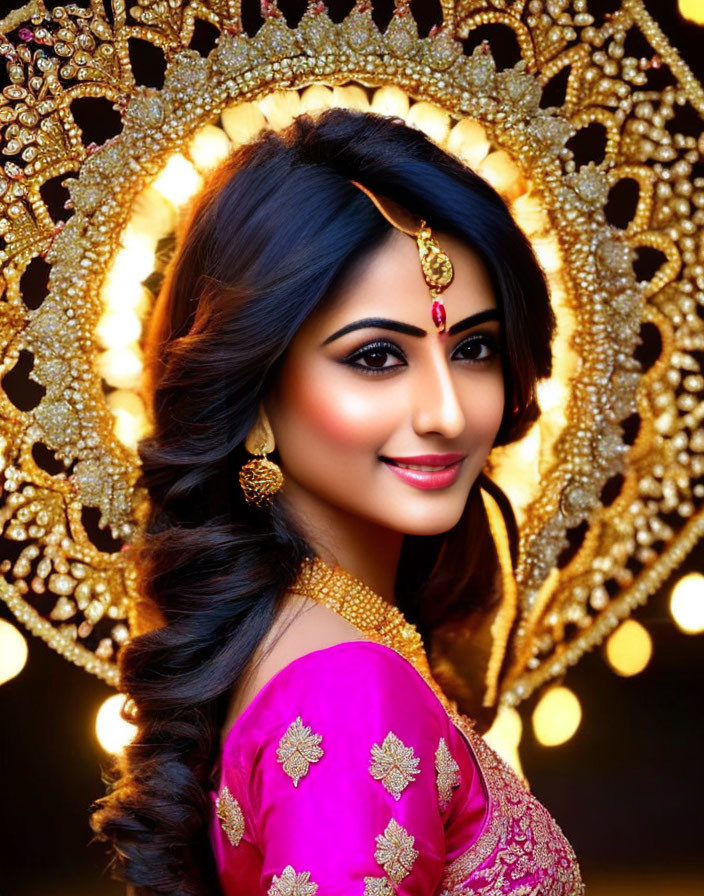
(321, 407)
(484, 408)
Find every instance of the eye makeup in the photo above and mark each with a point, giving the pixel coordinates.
(385, 347)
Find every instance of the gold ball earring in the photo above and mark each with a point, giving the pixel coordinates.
(260, 478)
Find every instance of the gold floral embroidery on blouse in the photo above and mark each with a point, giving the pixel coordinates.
(292, 884)
(447, 773)
(230, 815)
(394, 764)
(297, 749)
(395, 852)
(378, 886)
(519, 840)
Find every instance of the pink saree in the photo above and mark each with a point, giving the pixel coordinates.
(345, 775)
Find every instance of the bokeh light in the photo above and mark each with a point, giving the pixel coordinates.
(557, 716)
(692, 10)
(208, 147)
(504, 736)
(112, 731)
(13, 651)
(629, 648)
(178, 180)
(687, 603)
(468, 141)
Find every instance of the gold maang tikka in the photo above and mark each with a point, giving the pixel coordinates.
(435, 264)
(260, 478)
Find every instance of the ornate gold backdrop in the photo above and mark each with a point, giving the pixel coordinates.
(607, 486)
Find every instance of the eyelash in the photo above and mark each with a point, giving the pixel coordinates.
(487, 339)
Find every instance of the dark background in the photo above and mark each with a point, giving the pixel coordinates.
(626, 789)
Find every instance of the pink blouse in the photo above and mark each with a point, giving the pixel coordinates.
(345, 775)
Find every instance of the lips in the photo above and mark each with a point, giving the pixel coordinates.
(426, 471)
(425, 462)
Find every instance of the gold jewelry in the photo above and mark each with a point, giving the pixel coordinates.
(435, 263)
(377, 619)
(503, 620)
(639, 496)
(260, 478)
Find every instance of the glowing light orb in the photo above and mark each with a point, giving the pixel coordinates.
(242, 122)
(390, 100)
(118, 328)
(692, 10)
(121, 366)
(504, 175)
(209, 147)
(279, 107)
(316, 98)
(178, 181)
(557, 716)
(687, 603)
(504, 736)
(130, 415)
(350, 96)
(13, 651)
(431, 119)
(468, 141)
(112, 731)
(629, 648)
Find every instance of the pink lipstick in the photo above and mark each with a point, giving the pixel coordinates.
(427, 471)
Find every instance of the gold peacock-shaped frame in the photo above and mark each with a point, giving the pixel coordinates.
(608, 484)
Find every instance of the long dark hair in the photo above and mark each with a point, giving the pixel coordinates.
(276, 228)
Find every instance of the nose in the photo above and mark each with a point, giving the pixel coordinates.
(436, 405)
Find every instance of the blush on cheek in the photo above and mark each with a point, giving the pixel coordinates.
(335, 414)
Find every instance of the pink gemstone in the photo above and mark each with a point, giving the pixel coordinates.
(438, 313)
(25, 34)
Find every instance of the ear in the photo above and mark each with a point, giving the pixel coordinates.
(260, 439)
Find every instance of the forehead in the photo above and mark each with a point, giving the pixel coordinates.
(389, 282)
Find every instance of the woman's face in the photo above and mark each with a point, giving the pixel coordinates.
(358, 405)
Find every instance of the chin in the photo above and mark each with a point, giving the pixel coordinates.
(423, 522)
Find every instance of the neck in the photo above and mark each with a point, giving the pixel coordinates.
(368, 551)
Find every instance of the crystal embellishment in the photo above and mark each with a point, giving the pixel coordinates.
(378, 886)
(292, 884)
(394, 764)
(447, 773)
(230, 815)
(395, 852)
(297, 749)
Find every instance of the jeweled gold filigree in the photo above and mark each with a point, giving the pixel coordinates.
(297, 749)
(394, 764)
(447, 773)
(378, 886)
(260, 479)
(395, 852)
(618, 453)
(292, 884)
(230, 814)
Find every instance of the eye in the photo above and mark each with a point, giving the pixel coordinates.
(479, 349)
(375, 356)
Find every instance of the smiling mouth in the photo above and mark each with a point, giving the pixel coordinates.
(424, 468)
(425, 463)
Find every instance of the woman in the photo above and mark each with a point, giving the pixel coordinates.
(326, 389)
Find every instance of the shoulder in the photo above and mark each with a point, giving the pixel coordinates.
(301, 627)
(349, 691)
(311, 652)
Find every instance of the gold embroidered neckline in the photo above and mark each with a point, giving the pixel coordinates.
(376, 618)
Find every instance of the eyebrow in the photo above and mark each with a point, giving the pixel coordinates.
(397, 326)
(473, 320)
(382, 323)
